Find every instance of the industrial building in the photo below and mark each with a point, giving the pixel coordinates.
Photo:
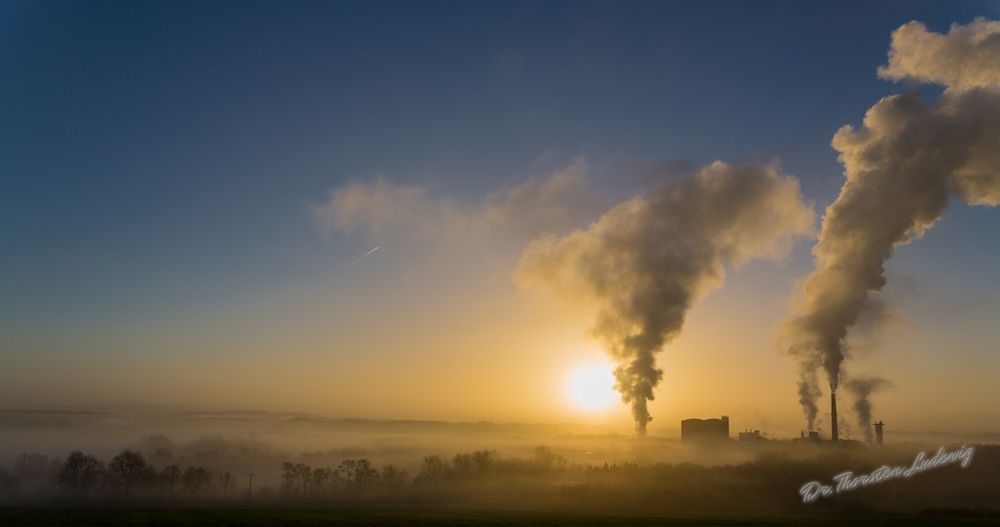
(699, 430)
(751, 436)
(813, 436)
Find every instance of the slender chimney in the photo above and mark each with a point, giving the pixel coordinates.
(834, 435)
(878, 432)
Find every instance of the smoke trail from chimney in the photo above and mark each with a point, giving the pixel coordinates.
(644, 261)
(862, 388)
(808, 393)
(901, 168)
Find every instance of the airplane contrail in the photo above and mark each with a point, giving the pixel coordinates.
(362, 257)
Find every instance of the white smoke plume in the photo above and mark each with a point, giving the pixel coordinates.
(644, 261)
(862, 388)
(901, 166)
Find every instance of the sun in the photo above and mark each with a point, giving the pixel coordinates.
(591, 387)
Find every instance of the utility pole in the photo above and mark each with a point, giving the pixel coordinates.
(250, 475)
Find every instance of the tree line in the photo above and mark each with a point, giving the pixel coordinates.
(360, 475)
(127, 474)
(542, 480)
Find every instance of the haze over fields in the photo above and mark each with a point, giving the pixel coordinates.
(387, 251)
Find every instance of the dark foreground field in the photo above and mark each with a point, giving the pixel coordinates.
(310, 517)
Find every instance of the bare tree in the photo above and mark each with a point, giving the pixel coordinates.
(476, 463)
(226, 482)
(434, 469)
(79, 473)
(128, 468)
(196, 480)
(359, 473)
(393, 478)
(322, 481)
(170, 478)
(547, 460)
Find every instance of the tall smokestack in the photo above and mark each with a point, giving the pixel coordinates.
(833, 417)
(902, 166)
(878, 432)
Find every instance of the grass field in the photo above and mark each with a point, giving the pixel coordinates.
(354, 517)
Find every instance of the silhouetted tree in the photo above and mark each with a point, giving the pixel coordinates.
(170, 478)
(483, 460)
(127, 469)
(323, 481)
(303, 475)
(392, 477)
(288, 482)
(80, 473)
(547, 460)
(9, 484)
(434, 469)
(226, 482)
(295, 478)
(196, 480)
(358, 473)
(476, 463)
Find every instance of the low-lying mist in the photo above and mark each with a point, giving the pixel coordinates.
(205, 458)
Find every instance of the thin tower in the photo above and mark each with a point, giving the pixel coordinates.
(878, 432)
(250, 475)
(834, 435)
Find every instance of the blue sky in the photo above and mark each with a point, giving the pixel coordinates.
(161, 158)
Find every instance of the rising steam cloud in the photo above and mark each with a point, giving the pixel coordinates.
(902, 166)
(862, 388)
(808, 393)
(644, 261)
